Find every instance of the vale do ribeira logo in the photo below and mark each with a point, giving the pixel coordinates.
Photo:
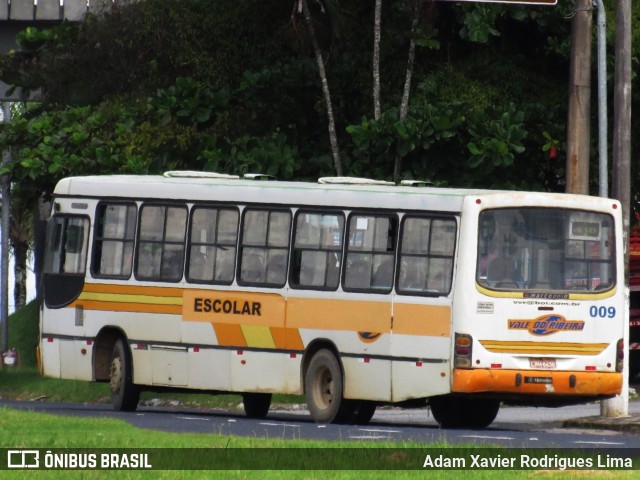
(547, 325)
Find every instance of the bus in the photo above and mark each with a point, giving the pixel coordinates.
(352, 292)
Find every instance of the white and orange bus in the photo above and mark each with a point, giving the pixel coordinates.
(352, 292)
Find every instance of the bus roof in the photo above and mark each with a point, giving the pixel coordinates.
(216, 188)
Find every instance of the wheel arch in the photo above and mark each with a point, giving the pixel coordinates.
(102, 351)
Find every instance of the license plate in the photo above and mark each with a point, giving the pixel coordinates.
(545, 363)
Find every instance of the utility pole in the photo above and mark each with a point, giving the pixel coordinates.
(621, 173)
(579, 115)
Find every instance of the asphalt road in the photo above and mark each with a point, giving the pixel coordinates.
(515, 427)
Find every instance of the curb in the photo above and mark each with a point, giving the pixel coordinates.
(624, 424)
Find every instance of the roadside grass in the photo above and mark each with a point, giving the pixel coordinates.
(20, 429)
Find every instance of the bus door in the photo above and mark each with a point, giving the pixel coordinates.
(421, 340)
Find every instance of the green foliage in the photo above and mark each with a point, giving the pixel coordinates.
(188, 101)
(495, 142)
(232, 86)
(478, 23)
(270, 155)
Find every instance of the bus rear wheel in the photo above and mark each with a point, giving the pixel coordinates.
(461, 412)
(324, 388)
(124, 394)
(256, 405)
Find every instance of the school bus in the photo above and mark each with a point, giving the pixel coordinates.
(353, 292)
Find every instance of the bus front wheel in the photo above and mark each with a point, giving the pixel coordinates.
(324, 388)
(256, 405)
(124, 394)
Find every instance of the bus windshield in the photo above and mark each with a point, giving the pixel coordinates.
(545, 249)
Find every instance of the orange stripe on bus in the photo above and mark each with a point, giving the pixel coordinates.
(550, 348)
(229, 335)
(287, 338)
(350, 315)
(417, 319)
(133, 289)
(127, 307)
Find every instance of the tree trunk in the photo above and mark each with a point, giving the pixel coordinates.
(20, 256)
(404, 106)
(376, 59)
(333, 137)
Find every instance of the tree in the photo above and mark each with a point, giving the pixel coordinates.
(21, 239)
(333, 137)
(404, 105)
(377, 27)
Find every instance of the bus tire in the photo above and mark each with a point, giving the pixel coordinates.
(459, 412)
(364, 412)
(481, 412)
(446, 411)
(256, 405)
(124, 394)
(324, 388)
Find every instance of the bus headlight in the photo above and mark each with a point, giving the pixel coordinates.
(462, 350)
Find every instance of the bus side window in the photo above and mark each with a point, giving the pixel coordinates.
(212, 245)
(161, 245)
(427, 247)
(370, 261)
(317, 250)
(265, 247)
(114, 240)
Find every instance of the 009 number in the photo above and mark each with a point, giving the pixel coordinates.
(602, 312)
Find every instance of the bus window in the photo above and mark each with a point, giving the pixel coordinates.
(67, 240)
(65, 259)
(114, 240)
(213, 238)
(546, 249)
(426, 255)
(265, 247)
(370, 253)
(161, 246)
(317, 250)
